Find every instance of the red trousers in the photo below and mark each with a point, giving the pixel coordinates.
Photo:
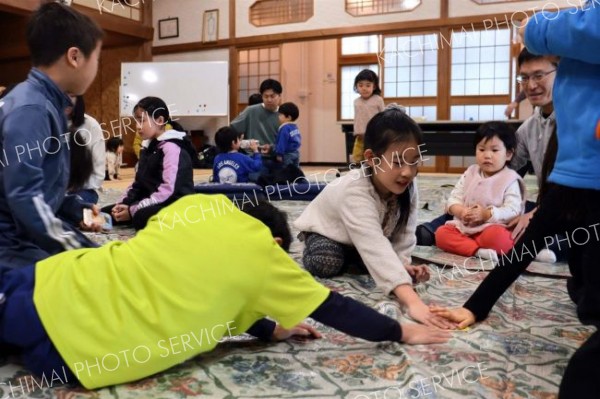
(448, 238)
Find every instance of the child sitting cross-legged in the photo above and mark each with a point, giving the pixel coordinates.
(231, 166)
(487, 196)
(165, 171)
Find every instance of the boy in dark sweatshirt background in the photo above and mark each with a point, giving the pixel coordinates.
(230, 165)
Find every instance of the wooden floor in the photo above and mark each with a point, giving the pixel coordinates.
(202, 175)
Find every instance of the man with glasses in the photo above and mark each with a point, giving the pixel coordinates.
(536, 79)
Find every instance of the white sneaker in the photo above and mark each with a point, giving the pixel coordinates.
(546, 256)
(489, 254)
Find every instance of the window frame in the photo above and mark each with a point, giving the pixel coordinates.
(242, 103)
(444, 99)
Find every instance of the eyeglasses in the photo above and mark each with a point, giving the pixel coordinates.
(536, 77)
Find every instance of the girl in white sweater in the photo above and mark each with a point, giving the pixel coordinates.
(368, 217)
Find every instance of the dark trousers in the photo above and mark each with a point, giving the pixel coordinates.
(574, 215)
(88, 195)
(324, 257)
(21, 330)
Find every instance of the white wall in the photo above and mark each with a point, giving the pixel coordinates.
(462, 8)
(207, 123)
(190, 14)
(329, 14)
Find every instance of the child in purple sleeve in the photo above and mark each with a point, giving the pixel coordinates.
(165, 171)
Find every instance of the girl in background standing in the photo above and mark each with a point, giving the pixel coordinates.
(366, 106)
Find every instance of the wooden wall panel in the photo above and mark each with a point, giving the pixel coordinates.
(102, 98)
(14, 71)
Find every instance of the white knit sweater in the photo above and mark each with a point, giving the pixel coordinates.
(350, 211)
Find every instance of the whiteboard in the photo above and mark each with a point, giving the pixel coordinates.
(188, 88)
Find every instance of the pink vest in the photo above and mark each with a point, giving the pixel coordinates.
(486, 191)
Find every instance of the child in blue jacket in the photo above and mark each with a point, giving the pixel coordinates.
(288, 136)
(230, 165)
(35, 157)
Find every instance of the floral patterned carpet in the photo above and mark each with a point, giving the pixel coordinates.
(520, 351)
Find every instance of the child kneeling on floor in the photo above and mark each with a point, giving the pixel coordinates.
(487, 196)
(368, 217)
(81, 307)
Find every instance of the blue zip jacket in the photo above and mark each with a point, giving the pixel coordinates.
(574, 35)
(234, 167)
(34, 173)
(288, 139)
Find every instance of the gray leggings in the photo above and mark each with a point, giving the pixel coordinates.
(324, 257)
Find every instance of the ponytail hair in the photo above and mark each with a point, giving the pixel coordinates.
(155, 108)
(82, 164)
(393, 126)
(176, 126)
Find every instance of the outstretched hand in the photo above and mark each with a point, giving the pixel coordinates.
(422, 314)
(414, 334)
(301, 330)
(464, 317)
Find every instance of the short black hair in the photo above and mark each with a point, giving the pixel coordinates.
(54, 28)
(526, 56)
(254, 99)
(369, 76)
(289, 109)
(270, 84)
(273, 218)
(502, 130)
(113, 144)
(224, 137)
(155, 108)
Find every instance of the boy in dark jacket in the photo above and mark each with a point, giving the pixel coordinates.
(35, 160)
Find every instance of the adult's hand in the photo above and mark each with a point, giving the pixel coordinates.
(519, 224)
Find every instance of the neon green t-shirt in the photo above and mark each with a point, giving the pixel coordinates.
(201, 270)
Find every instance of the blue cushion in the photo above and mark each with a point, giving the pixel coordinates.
(233, 191)
(293, 191)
